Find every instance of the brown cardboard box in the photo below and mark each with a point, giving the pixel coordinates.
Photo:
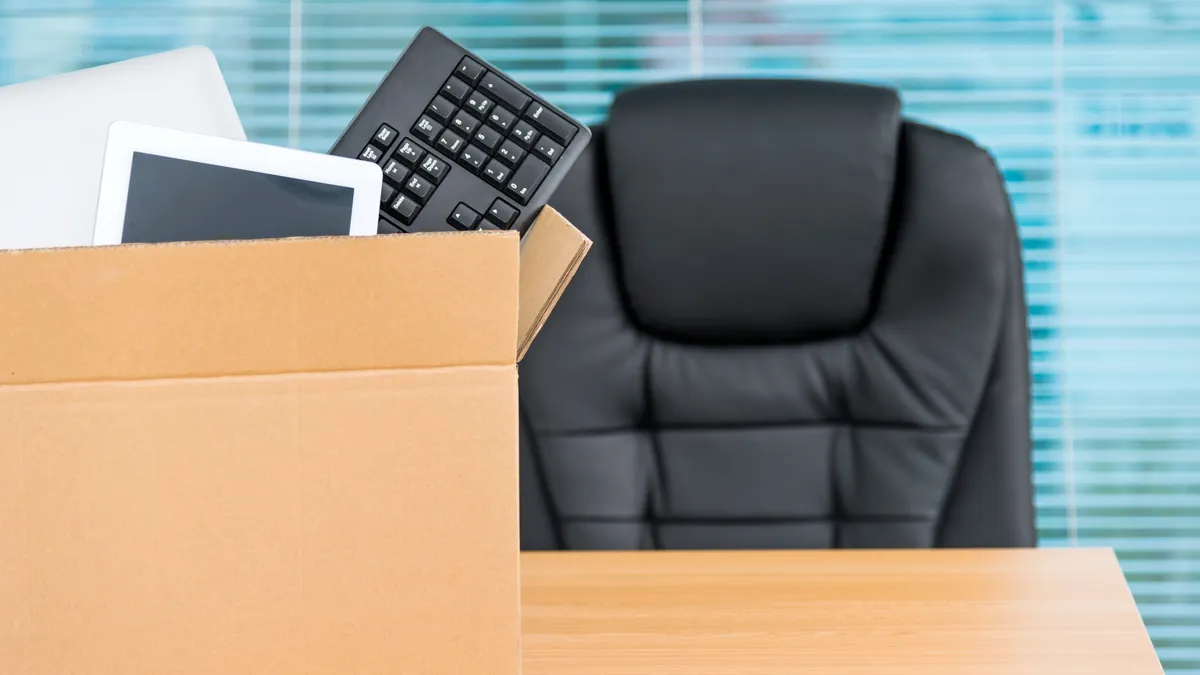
(291, 457)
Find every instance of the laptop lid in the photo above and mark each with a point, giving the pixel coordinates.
(53, 133)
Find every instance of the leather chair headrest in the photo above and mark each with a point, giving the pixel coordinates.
(751, 211)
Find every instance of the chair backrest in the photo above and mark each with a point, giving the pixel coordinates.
(802, 325)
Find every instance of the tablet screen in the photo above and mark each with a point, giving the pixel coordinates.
(173, 200)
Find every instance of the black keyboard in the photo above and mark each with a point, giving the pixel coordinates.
(462, 146)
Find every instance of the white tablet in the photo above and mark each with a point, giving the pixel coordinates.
(161, 185)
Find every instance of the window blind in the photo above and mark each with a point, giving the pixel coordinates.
(250, 38)
(1090, 107)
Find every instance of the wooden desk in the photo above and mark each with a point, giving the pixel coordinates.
(1023, 612)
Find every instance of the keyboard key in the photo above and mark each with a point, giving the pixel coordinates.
(551, 123)
(463, 217)
(479, 103)
(510, 152)
(524, 133)
(487, 137)
(501, 118)
(502, 214)
(387, 193)
(472, 158)
(455, 89)
(434, 168)
(405, 208)
(504, 92)
(548, 150)
(409, 152)
(427, 128)
(385, 227)
(464, 123)
(419, 187)
(441, 109)
(395, 171)
(496, 172)
(468, 70)
(451, 142)
(526, 180)
(385, 136)
(371, 154)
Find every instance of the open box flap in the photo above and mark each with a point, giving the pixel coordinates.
(258, 307)
(551, 252)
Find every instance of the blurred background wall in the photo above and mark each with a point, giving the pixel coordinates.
(1090, 106)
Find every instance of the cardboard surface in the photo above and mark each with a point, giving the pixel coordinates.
(313, 524)
(551, 252)
(283, 458)
(284, 306)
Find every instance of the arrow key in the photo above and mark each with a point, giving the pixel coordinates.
(502, 214)
(463, 217)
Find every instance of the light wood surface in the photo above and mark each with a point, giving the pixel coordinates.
(968, 612)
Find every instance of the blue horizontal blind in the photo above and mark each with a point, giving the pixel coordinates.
(1090, 106)
(1130, 258)
(576, 53)
(250, 38)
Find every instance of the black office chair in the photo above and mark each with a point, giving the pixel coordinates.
(802, 325)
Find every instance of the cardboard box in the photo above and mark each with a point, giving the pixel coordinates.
(292, 457)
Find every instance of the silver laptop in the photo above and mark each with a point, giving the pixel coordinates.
(53, 132)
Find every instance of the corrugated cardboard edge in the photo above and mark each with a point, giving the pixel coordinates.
(259, 307)
(551, 252)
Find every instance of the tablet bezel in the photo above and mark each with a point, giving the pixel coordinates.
(126, 138)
